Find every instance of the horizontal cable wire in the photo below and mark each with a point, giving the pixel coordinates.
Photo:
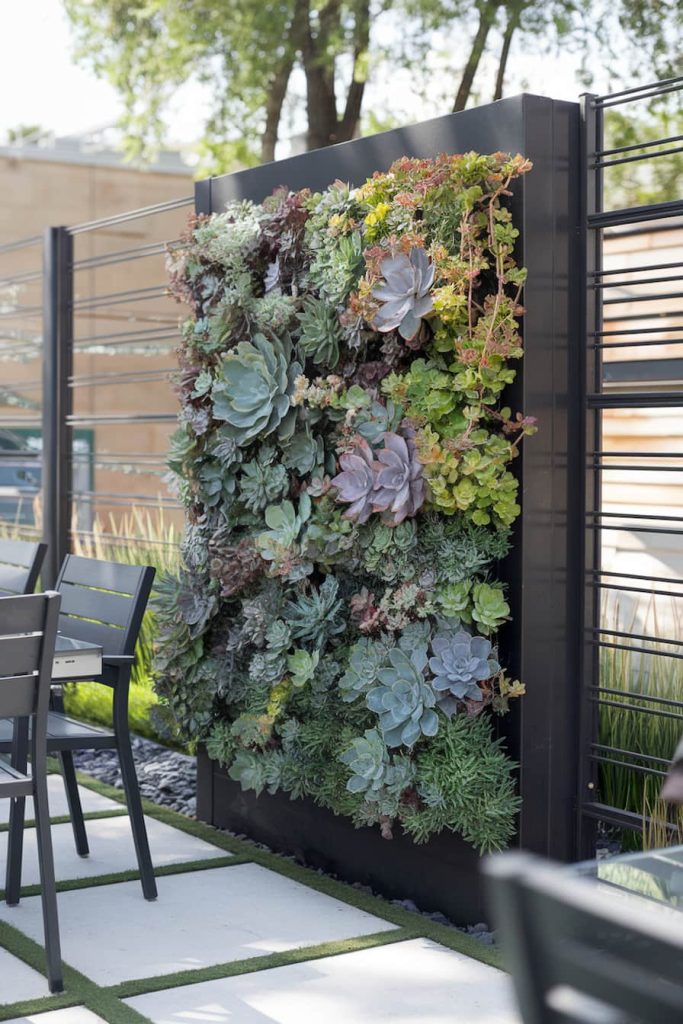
(123, 218)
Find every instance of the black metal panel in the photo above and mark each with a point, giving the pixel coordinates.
(541, 645)
(57, 369)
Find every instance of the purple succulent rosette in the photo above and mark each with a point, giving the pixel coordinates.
(355, 484)
(405, 293)
(399, 484)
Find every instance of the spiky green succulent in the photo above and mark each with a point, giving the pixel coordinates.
(252, 391)
(404, 700)
(262, 481)
(317, 617)
(320, 333)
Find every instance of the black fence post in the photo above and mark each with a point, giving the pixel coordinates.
(57, 362)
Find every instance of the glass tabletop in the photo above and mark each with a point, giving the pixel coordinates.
(67, 645)
(654, 875)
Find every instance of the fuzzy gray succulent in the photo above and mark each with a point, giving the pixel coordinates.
(399, 483)
(405, 293)
(404, 700)
(252, 391)
(460, 662)
(356, 483)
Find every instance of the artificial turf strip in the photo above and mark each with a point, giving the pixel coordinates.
(133, 875)
(422, 926)
(80, 991)
(65, 819)
(251, 965)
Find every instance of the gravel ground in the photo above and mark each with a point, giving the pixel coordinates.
(169, 778)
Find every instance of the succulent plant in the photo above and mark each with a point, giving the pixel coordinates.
(262, 482)
(399, 484)
(253, 389)
(355, 484)
(316, 617)
(405, 292)
(366, 658)
(368, 760)
(285, 526)
(216, 485)
(490, 607)
(455, 600)
(278, 636)
(321, 333)
(460, 662)
(302, 665)
(404, 700)
(236, 567)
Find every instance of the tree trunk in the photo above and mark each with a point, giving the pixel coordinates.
(274, 103)
(487, 14)
(321, 103)
(510, 29)
(354, 98)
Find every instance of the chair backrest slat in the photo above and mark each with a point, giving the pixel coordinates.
(20, 565)
(28, 626)
(17, 695)
(103, 602)
(100, 605)
(20, 654)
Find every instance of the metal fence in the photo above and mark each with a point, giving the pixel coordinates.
(632, 694)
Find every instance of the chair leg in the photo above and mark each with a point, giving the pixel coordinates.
(47, 882)
(74, 801)
(17, 814)
(132, 791)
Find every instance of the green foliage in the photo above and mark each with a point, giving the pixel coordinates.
(337, 603)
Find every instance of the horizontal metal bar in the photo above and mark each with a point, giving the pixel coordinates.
(677, 81)
(634, 214)
(637, 330)
(12, 421)
(138, 335)
(622, 300)
(599, 165)
(147, 417)
(603, 747)
(141, 501)
(639, 590)
(613, 454)
(130, 377)
(641, 469)
(23, 243)
(634, 707)
(117, 298)
(639, 768)
(108, 259)
(652, 95)
(27, 278)
(161, 499)
(636, 400)
(642, 268)
(633, 647)
(635, 636)
(637, 281)
(124, 456)
(633, 575)
(648, 698)
(638, 145)
(22, 311)
(620, 818)
(122, 218)
(107, 537)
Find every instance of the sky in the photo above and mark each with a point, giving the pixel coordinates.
(41, 83)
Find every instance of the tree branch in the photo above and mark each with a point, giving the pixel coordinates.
(274, 102)
(487, 16)
(513, 20)
(354, 96)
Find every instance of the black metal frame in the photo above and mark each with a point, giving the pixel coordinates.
(610, 385)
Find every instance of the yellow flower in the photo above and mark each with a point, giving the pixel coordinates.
(377, 215)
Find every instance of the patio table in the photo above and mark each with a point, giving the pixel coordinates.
(655, 876)
(76, 659)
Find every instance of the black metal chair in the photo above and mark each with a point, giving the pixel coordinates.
(28, 627)
(582, 955)
(20, 565)
(102, 603)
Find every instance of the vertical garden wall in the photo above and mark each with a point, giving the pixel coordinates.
(539, 642)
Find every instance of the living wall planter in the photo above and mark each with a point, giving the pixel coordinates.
(541, 644)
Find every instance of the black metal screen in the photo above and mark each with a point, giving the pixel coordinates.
(632, 706)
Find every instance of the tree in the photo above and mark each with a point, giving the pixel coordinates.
(263, 60)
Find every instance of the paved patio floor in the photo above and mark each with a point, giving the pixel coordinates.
(237, 936)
